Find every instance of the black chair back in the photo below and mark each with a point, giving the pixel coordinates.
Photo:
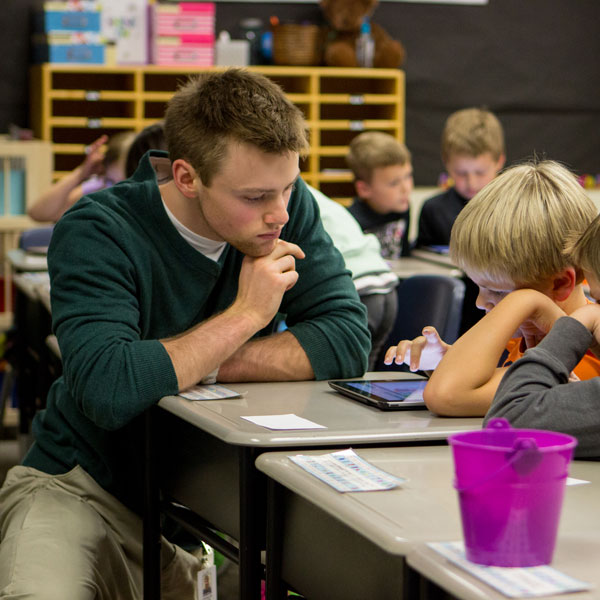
(38, 237)
(435, 300)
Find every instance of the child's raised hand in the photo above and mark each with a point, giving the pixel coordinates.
(94, 155)
(423, 353)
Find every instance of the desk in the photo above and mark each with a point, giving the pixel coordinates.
(333, 546)
(413, 265)
(21, 261)
(11, 228)
(214, 450)
(577, 548)
(433, 257)
(32, 324)
(351, 546)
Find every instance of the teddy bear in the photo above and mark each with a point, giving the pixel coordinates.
(345, 18)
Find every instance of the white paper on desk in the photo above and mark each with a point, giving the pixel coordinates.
(573, 481)
(289, 421)
(514, 582)
(347, 472)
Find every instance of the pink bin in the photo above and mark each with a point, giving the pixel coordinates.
(511, 484)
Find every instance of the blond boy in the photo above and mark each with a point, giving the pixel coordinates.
(509, 237)
(384, 182)
(473, 153)
(538, 391)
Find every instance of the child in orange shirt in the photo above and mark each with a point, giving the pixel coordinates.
(510, 236)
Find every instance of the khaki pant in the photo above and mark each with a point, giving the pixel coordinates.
(62, 537)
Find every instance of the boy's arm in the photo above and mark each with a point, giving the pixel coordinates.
(51, 205)
(466, 379)
(535, 392)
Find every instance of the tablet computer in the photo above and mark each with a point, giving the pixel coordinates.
(385, 394)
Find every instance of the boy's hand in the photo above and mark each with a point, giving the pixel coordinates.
(423, 353)
(263, 281)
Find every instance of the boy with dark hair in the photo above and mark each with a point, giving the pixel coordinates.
(384, 182)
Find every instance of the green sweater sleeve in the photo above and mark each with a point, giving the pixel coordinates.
(323, 309)
(113, 363)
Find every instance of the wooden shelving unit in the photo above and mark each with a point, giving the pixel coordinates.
(29, 163)
(73, 105)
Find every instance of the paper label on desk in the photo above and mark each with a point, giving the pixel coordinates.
(347, 472)
(209, 392)
(289, 421)
(514, 582)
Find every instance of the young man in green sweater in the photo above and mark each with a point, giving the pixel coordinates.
(156, 283)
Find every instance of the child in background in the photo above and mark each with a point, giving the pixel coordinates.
(374, 280)
(536, 391)
(510, 236)
(151, 137)
(473, 153)
(99, 170)
(384, 182)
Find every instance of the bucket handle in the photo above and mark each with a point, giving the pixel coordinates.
(524, 457)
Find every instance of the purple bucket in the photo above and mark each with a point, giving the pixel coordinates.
(510, 484)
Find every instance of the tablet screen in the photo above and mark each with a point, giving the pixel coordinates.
(391, 391)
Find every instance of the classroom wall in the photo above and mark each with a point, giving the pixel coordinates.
(534, 62)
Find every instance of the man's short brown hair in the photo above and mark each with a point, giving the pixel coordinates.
(374, 149)
(472, 132)
(209, 111)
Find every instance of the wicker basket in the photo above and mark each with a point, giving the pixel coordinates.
(297, 44)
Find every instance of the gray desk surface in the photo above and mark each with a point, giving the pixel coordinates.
(347, 421)
(577, 551)
(24, 261)
(434, 257)
(35, 284)
(425, 508)
(412, 265)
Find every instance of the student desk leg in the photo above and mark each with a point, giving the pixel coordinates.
(252, 524)
(275, 587)
(220, 488)
(152, 529)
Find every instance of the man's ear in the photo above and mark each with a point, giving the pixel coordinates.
(363, 189)
(500, 162)
(185, 178)
(564, 283)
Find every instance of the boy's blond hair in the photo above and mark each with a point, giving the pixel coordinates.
(516, 226)
(210, 111)
(583, 249)
(374, 149)
(472, 132)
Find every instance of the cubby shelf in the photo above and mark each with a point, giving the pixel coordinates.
(72, 105)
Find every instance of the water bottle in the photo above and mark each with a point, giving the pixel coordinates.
(365, 46)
